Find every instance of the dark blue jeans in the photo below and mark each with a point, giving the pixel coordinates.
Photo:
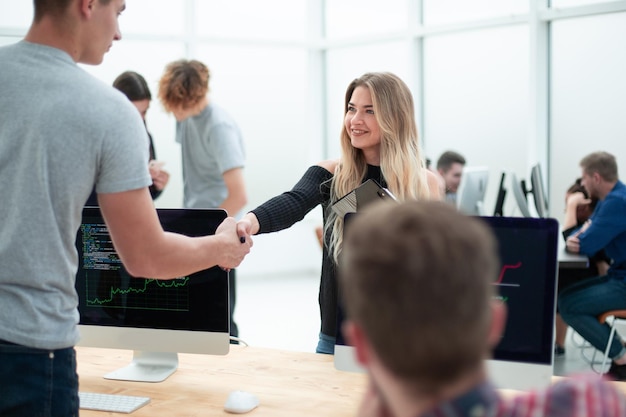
(326, 344)
(580, 305)
(37, 383)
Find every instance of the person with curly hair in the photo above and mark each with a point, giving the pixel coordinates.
(213, 148)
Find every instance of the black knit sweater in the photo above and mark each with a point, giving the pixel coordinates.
(284, 210)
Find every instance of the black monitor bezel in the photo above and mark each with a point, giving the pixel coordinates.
(543, 355)
(550, 228)
(204, 315)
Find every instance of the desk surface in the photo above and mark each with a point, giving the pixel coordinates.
(287, 383)
(570, 260)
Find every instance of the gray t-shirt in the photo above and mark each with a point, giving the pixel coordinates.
(61, 132)
(211, 145)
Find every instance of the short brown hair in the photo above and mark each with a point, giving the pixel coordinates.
(184, 84)
(448, 158)
(601, 162)
(54, 7)
(417, 277)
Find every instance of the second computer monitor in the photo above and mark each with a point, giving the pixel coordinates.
(538, 191)
(523, 359)
(521, 191)
(499, 207)
(471, 195)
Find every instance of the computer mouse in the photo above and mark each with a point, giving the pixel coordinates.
(239, 402)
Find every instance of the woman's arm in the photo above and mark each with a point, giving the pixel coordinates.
(284, 210)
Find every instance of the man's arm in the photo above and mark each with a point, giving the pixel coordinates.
(608, 222)
(236, 186)
(147, 250)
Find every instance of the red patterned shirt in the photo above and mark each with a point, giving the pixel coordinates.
(580, 396)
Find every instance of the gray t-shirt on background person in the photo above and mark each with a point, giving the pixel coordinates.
(61, 132)
(211, 145)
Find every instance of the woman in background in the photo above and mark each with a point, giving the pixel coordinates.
(135, 87)
(379, 141)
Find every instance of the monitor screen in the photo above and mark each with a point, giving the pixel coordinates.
(538, 191)
(154, 318)
(528, 256)
(526, 283)
(472, 190)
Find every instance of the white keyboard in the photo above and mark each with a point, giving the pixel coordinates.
(110, 402)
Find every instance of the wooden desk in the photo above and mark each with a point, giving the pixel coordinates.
(287, 383)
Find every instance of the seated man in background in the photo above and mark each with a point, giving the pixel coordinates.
(450, 166)
(578, 208)
(417, 280)
(581, 304)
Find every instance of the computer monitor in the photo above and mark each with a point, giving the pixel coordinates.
(499, 208)
(524, 357)
(519, 192)
(527, 284)
(154, 318)
(538, 191)
(471, 195)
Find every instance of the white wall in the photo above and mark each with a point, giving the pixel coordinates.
(283, 77)
(588, 97)
(476, 101)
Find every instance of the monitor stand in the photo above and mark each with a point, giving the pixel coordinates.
(480, 208)
(147, 367)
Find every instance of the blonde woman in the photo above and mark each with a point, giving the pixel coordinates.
(378, 141)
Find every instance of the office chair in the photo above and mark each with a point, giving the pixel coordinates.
(585, 347)
(613, 318)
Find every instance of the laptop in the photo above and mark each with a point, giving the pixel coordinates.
(527, 283)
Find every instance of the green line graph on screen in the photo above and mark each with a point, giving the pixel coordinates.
(122, 291)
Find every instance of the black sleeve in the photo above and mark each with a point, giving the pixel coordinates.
(569, 231)
(153, 190)
(284, 210)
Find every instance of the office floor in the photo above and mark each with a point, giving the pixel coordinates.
(281, 312)
(572, 361)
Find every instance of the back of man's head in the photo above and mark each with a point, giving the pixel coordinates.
(417, 278)
(448, 158)
(54, 8)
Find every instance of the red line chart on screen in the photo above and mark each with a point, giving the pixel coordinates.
(503, 270)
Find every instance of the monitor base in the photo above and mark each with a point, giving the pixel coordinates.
(147, 367)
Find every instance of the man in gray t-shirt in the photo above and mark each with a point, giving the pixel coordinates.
(62, 132)
(212, 146)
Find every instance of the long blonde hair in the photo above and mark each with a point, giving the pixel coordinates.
(401, 161)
